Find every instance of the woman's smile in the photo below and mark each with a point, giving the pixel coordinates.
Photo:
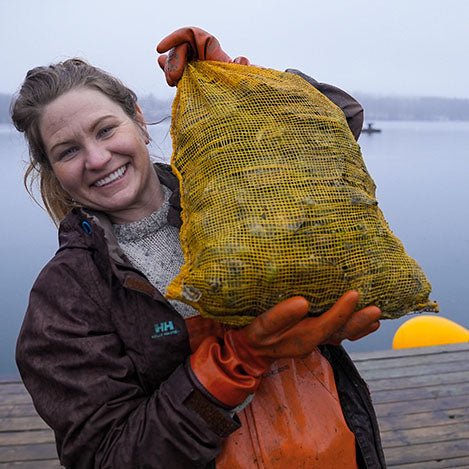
(114, 176)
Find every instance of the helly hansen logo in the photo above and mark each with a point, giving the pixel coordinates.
(164, 328)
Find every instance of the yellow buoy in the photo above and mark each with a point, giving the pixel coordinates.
(424, 331)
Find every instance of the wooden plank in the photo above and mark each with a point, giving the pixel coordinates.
(379, 354)
(37, 452)
(12, 388)
(398, 362)
(417, 394)
(384, 371)
(424, 419)
(446, 379)
(26, 437)
(20, 410)
(410, 354)
(426, 452)
(16, 424)
(427, 434)
(44, 464)
(425, 405)
(446, 463)
(8, 399)
(10, 380)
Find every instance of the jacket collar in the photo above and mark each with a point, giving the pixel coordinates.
(167, 178)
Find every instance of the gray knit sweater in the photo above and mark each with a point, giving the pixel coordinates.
(153, 247)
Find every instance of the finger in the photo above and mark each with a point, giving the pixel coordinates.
(370, 329)
(211, 50)
(162, 59)
(242, 60)
(344, 333)
(282, 316)
(333, 321)
(330, 326)
(175, 63)
(177, 38)
(361, 320)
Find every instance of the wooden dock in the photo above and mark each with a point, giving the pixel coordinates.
(421, 397)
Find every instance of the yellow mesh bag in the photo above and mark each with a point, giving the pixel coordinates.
(276, 201)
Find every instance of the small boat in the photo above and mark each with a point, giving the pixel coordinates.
(370, 129)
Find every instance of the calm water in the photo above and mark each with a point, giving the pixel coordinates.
(421, 172)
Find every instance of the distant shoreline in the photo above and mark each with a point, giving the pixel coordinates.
(379, 108)
(413, 108)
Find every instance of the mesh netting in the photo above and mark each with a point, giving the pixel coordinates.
(277, 201)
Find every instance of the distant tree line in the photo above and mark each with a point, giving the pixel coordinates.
(414, 108)
(153, 108)
(376, 108)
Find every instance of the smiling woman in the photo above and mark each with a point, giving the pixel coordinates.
(126, 377)
(99, 155)
(47, 109)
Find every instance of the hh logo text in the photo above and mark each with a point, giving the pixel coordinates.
(164, 328)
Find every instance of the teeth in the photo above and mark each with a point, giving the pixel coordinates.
(112, 177)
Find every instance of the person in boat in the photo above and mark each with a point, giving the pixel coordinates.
(123, 376)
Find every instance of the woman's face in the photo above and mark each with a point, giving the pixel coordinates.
(99, 155)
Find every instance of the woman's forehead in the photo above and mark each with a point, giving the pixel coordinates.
(76, 109)
(81, 100)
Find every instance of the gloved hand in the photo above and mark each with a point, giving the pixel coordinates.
(186, 44)
(231, 369)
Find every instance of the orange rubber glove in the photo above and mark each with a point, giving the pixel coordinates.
(231, 369)
(187, 44)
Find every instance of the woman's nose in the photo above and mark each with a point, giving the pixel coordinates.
(97, 156)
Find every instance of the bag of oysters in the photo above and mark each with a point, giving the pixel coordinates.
(277, 201)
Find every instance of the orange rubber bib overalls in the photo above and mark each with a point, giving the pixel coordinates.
(295, 419)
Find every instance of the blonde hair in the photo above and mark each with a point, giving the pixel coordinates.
(41, 86)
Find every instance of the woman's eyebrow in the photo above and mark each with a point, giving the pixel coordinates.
(98, 121)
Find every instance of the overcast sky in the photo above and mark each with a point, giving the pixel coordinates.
(398, 47)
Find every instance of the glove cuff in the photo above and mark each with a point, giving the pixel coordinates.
(219, 370)
(252, 363)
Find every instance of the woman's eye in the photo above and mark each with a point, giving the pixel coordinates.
(68, 153)
(105, 131)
